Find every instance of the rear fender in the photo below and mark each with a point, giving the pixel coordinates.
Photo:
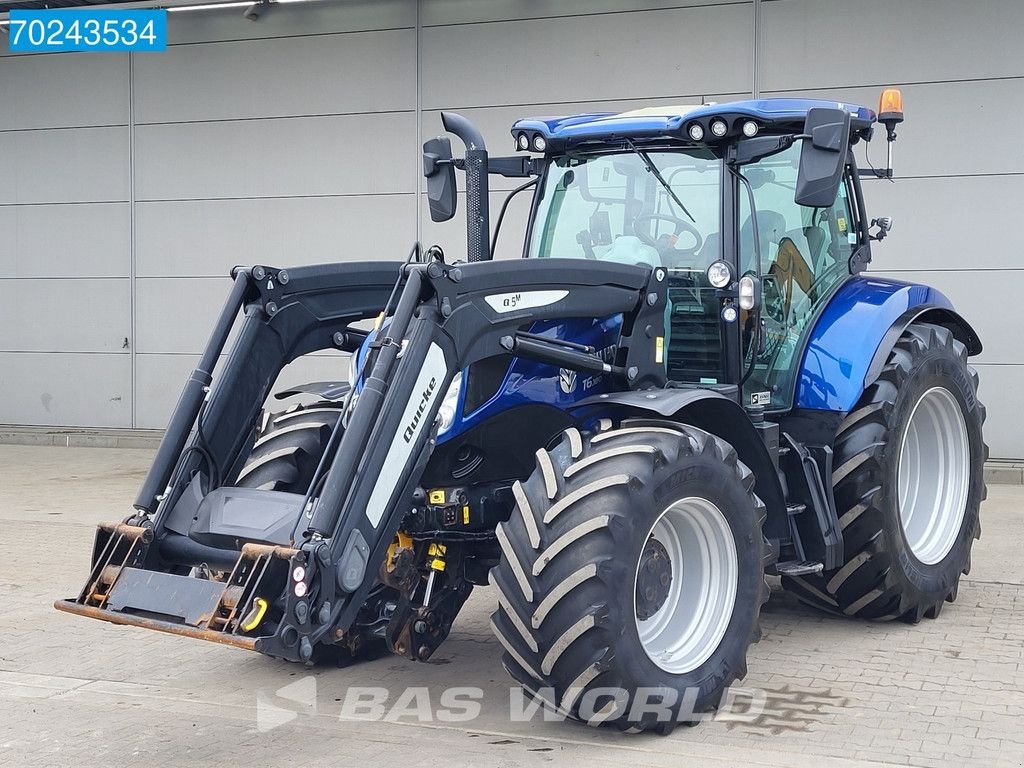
(857, 330)
(718, 414)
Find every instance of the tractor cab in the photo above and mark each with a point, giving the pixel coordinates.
(709, 194)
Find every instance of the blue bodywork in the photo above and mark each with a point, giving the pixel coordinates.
(840, 349)
(843, 342)
(597, 126)
(528, 381)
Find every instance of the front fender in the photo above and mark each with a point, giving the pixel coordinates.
(714, 412)
(856, 331)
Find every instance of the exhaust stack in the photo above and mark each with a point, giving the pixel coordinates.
(478, 228)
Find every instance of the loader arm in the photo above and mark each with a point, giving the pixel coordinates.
(446, 318)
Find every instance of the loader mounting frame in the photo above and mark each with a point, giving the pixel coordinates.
(446, 318)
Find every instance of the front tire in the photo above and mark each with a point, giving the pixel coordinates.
(287, 450)
(632, 567)
(288, 447)
(908, 484)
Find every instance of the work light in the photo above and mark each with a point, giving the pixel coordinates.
(719, 274)
(750, 129)
(696, 131)
(539, 143)
(749, 292)
(449, 405)
(719, 128)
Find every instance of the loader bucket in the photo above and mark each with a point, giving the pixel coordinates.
(120, 590)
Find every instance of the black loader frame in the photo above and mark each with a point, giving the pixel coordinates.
(284, 599)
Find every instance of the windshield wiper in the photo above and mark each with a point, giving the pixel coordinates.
(653, 170)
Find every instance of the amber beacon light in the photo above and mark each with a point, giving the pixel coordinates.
(890, 107)
(890, 114)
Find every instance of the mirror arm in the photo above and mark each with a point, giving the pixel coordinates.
(516, 166)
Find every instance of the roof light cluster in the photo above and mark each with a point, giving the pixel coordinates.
(719, 128)
(526, 141)
(700, 124)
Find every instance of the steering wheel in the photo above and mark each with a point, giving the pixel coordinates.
(682, 225)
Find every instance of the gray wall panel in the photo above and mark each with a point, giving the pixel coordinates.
(516, 62)
(949, 223)
(439, 12)
(67, 390)
(177, 314)
(66, 315)
(231, 166)
(930, 39)
(303, 19)
(160, 379)
(358, 72)
(208, 237)
(70, 165)
(310, 156)
(61, 91)
(87, 240)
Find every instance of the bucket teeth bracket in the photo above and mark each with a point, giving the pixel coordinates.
(117, 546)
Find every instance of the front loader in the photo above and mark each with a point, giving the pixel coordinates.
(684, 385)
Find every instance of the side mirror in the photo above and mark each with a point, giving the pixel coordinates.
(822, 156)
(440, 173)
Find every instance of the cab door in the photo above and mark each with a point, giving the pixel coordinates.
(805, 255)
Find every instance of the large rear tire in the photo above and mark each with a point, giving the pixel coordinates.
(908, 484)
(633, 565)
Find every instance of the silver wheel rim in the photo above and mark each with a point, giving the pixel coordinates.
(933, 475)
(689, 626)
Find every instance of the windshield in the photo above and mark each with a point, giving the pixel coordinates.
(659, 208)
(652, 207)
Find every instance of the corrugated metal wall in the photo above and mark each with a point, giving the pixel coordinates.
(131, 185)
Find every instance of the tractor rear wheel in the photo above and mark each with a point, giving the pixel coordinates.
(288, 448)
(908, 484)
(632, 575)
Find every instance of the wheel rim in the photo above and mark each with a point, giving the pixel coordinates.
(933, 475)
(693, 618)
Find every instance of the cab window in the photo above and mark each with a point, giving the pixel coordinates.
(805, 253)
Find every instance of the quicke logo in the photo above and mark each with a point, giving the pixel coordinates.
(424, 399)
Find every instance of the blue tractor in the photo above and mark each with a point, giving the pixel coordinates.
(687, 383)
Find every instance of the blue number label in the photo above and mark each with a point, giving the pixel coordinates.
(88, 29)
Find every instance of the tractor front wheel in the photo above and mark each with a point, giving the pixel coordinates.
(632, 575)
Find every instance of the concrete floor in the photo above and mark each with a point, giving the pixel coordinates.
(75, 692)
